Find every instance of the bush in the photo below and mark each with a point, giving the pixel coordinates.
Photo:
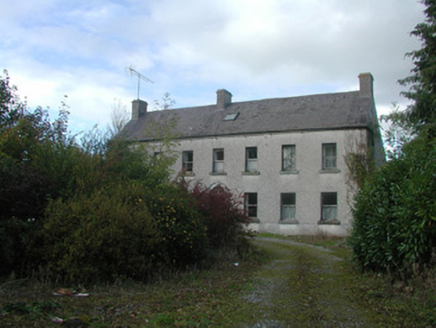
(394, 227)
(180, 231)
(222, 213)
(124, 230)
(100, 237)
(16, 236)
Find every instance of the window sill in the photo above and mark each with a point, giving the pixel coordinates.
(289, 221)
(253, 220)
(289, 172)
(329, 222)
(218, 173)
(329, 171)
(251, 173)
(189, 174)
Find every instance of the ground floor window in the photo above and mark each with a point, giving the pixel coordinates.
(288, 208)
(329, 206)
(250, 204)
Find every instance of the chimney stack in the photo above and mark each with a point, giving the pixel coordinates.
(139, 108)
(223, 98)
(366, 85)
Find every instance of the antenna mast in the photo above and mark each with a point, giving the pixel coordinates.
(139, 76)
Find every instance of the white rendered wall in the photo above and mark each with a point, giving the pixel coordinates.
(308, 183)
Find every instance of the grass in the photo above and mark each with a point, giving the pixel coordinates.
(217, 297)
(206, 298)
(402, 304)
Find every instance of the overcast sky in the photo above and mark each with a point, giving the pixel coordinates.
(255, 49)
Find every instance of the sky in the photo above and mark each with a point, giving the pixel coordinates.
(79, 51)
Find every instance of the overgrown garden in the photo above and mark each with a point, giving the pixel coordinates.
(90, 208)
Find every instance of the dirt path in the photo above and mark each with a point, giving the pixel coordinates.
(305, 286)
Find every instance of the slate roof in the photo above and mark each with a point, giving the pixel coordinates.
(314, 112)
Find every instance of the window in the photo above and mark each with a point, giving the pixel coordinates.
(218, 160)
(329, 206)
(288, 158)
(288, 208)
(329, 156)
(231, 117)
(250, 204)
(188, 160)
(251, 159)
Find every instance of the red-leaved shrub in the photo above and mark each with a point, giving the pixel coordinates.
(222, 212)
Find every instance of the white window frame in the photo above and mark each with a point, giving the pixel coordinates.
(329, 156)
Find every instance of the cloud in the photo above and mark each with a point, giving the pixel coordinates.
(256, 49)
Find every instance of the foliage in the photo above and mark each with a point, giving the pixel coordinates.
(99, 237)
(122, 231)
(181, 233)
(16, 236)
(395, 211)
(359, 159)
(423, 79)
(399, 132)
(119, 118)
(10, 105)
(394, 224)
(229, 296)
(99, 208)
(166, 102)
(222, 213)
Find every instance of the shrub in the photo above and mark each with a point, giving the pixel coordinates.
(181, 234)
(16, 236)
(100, 237)
(394, 227)
(123, 230)
(222, 213)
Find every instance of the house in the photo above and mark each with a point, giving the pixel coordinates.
(287, 156)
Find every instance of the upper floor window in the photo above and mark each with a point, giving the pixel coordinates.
(329, 206)
(251, 159)
(250, 204)
(328, 156)
(288, 158)
(218, 160)
(188, 160)
(288, 208)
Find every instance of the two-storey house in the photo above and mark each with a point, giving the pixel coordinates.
(286, 156)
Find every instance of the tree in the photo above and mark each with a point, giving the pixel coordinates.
(119, 118)
(10, 106)
(423, 79)
(399, 131)
(394, 227)
(166, 102)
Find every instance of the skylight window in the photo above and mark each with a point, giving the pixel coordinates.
(231, 117)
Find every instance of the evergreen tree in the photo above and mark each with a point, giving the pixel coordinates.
(423, 79)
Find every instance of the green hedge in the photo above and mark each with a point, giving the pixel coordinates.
(394, 227)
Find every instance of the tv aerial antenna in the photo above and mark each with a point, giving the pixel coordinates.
(140, 77)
